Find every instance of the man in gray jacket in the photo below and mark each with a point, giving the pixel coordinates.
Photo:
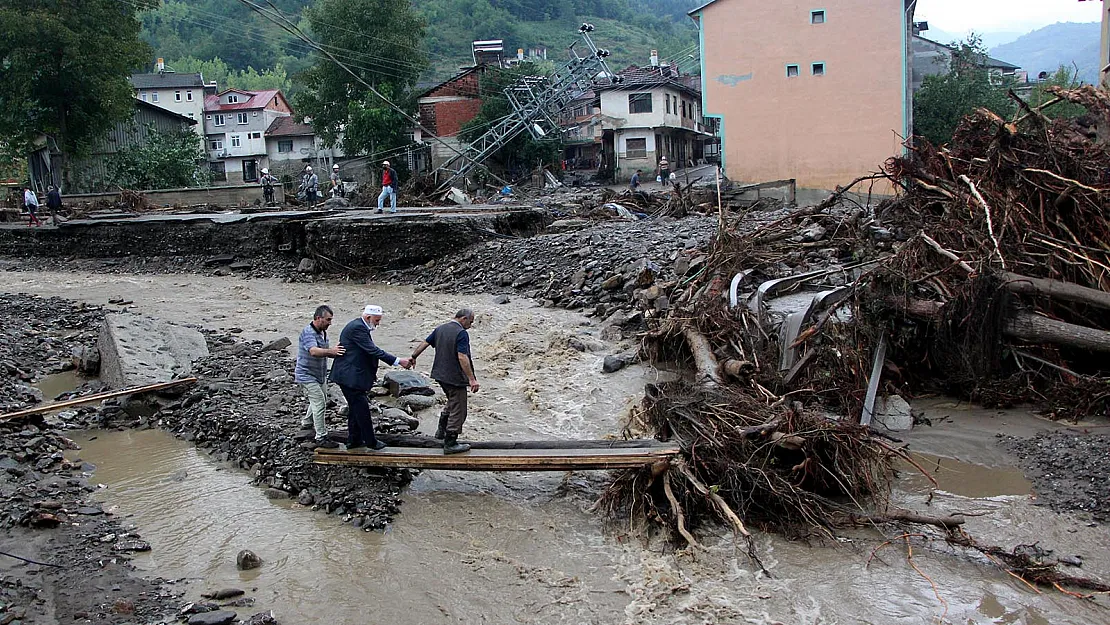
(453, 368)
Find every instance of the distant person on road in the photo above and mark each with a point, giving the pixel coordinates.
(355, 373)
(389, 188)
(267, 181)
(54, 203)
(311, 372)
(664, 171)
(453, 368)
(31, 203)
(311, 185)
(634, 184)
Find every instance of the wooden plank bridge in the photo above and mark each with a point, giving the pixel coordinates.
(418, 452)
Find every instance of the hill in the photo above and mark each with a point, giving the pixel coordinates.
(230, 31)
(1046, 49)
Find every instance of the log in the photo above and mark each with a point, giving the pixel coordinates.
(92, 399)
(704, 360)
(415, 440)
(1033, 328)
(1065, 291)
(905, 516)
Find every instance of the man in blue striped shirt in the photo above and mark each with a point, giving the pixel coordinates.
(311, 372)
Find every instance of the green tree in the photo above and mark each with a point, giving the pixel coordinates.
(64, 66)
(167, 160)
(944, 99)
(1063, 77)
(523, 152)
(228, 78)
(379, 40)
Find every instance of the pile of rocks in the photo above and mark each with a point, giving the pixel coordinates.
(246, 409)
(1068, 469)
(41, 336)
(598, 266)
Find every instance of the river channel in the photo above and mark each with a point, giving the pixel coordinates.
(523, 548)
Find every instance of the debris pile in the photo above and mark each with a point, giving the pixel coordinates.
(985, 276)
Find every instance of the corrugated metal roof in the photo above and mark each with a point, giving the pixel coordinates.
(288, 127)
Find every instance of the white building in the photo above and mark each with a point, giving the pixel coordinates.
(652, 113)
(234, 123)
(181, 93)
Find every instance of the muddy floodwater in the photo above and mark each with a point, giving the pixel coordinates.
(523, 548)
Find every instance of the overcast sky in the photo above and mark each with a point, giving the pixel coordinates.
(983, 16)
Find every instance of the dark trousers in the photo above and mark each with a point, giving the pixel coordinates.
(360, 428)
(456, 407)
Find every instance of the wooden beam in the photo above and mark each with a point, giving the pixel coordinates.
(502, 459)
(92, 399)
(418, 440)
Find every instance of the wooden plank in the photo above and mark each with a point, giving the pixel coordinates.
(417, 440)
(92, 399)
(501, 459)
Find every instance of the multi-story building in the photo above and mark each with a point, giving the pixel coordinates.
(650, 113)
(444, 109)
(581, 124)
(180, 93)
(820, 94)
(235, 121)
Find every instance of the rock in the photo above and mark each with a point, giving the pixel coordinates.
(417, 402)
(407, 383)
(247, 560)
(222, 272)
(611, 333)
(1076, 561)
(400, 416)
(223, 593)
(132, 545)
(566, 225)
(241, 265)
(262, 618)
(612, 364)
(307, 265)
(893, 413)
(274, 346)
(501, 299)
(306, 498)
(816, 232)
(613, 282)
(219, 617)
(222, 259)
(137, 350)
(275, 493)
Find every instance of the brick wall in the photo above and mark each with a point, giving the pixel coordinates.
(452, 116)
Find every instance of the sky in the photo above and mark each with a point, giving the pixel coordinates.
(1021, 16)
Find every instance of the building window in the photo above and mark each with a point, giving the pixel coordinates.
(189, 96)
(639, 103)
(255, 135)
(191, 115)
(232, 98)
(635, 148)
(817, 16)
(219, 119)
(818, 69)
(235, 142)
(285, 146)
(142, 94)
(791, 71)
(176, 96)
(216, 144)
(153, 96)
(219, 171)
(241, 118)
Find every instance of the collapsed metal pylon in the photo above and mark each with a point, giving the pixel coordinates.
(537, 102)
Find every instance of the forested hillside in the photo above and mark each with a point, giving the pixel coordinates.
(186, 32)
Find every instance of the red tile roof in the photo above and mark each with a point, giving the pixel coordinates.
(254, 100)
(288, 127)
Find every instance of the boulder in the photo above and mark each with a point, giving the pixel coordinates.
(893, 413)
(136, 350)
(279, 344)
(612, 364)
(307, 265)
(247, 560)
(417, 402)
(219, 617)
(405, 382)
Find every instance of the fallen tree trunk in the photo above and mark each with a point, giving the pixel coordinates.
(1024, 326)
(704, 360)
(1055, 289)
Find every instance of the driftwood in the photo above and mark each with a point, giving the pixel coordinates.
(1064, 291)
(92, 399)
(704, 360)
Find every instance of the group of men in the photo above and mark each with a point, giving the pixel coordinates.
(355, 370)
(31, 203)
(310, 185)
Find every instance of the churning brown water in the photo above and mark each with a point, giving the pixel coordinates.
(521, 548)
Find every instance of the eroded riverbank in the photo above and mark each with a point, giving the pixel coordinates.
(523, 548)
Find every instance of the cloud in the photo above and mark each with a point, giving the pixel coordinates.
(1005, 15)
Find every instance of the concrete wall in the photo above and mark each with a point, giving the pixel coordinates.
(193, 108)
(821, 130)
(231, 195)
(1104, 44)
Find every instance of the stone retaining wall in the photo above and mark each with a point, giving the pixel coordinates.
(230, 195)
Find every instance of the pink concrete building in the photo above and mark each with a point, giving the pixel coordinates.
(818, 92)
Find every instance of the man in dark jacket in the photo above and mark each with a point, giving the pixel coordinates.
(454, 370)
(356, 371)
(54, 203)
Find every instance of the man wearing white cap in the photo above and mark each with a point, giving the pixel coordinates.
(389, 188)
(356, 371)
